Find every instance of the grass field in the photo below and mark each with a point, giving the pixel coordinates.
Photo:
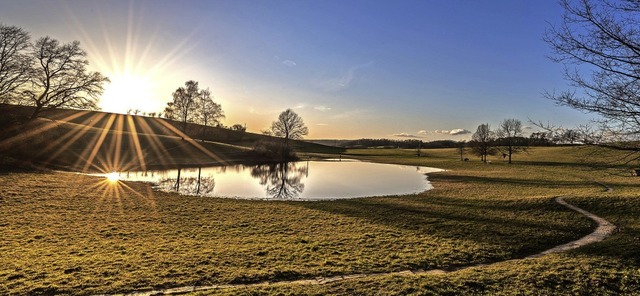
(70, 234)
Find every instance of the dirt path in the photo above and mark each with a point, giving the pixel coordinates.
(604, 229)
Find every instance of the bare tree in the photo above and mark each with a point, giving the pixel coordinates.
(289, 126)
(208, 112)
(510, 137)
(15, 63)
(184, 104)
(461, 148)
(482, 142)
(601, 39)
(60, 77)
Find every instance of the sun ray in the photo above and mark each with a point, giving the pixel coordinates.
(98, 142)
(192, 142)
(116, 144)
(136, 142)
(155, 143)
(81, 131)
(36, 131)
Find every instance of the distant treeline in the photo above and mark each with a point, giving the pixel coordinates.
(535, 139)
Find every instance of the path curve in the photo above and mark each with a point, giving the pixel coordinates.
(604, 229)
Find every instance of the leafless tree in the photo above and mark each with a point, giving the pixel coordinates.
(15, 63)
(289, 126)
(60, 77)
(461, 148)
(184, 104)
(208, 112)
(599, 44)
(510, 137)
(482, 142)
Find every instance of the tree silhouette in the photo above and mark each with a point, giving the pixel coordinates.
(289, 126)
(598, 42)
(15, 63)
(510, 136)
(184, 104)
(208, 112)
(482, 142)
(59, 77)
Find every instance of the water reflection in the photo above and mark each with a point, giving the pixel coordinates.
(189, 185)
(309, 180)
(281, 180)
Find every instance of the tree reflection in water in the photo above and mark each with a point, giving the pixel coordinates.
(281, 180)
(189, 185)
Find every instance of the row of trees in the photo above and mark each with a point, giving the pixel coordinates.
(507, 139)
(191, 104)
(45, 74)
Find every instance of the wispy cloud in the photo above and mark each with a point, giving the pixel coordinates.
(453, 132)
(322, 124)
(289, 63)
(404, 135)
(459, 131)
(286, 62)
(350, 113)
(322, 108)
(344, 80)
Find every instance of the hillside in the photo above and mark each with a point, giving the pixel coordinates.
(92, 140)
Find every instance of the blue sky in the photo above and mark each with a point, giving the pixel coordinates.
(351, 69)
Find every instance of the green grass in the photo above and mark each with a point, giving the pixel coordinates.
(71, 234)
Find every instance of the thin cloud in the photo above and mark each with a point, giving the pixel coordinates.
(289, 63)
(404, 135)
(344, 80)
(453, 132)
(322, 108)
(459, 131)
(322, 124)
(350, 113)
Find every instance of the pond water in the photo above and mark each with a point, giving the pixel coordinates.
(304, 180)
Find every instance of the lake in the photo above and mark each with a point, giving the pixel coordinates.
(303, 180)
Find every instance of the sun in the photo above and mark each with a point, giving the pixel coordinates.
(112, 177)
(129, 92)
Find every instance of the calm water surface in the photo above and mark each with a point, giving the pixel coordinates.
(304, 180)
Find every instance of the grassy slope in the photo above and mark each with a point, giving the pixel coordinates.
(66, 233)
(67, 138)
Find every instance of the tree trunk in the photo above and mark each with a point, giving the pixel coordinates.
(36, 112)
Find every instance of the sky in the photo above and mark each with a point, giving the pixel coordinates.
(427, 69)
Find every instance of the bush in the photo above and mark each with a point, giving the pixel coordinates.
(276, 150)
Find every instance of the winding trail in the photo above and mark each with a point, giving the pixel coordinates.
(604, 229)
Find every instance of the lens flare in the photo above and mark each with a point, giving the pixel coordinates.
(112, 177)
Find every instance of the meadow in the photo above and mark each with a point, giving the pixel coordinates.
(65, 233)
